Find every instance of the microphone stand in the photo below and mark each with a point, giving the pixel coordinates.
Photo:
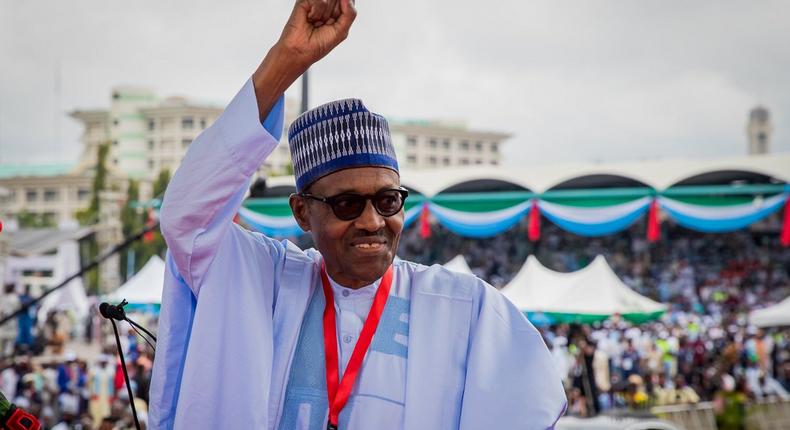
(125, 374)
(114, 313)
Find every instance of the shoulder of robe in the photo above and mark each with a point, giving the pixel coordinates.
(438, 280)
(279, 250)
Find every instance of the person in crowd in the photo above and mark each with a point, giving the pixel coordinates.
(26, 322)
(102, 387)
(9, 303)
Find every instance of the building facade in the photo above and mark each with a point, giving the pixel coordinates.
(145, 135)
(52, 192)
(432, 144)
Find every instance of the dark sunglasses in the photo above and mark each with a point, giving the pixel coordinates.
(349, 206)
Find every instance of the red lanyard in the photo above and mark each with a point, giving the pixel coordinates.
(338, 393)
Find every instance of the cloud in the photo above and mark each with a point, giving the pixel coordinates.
(598, 80)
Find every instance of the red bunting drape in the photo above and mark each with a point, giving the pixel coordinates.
(425, 226)
(785, 238)
(533, 227)
(653, 227)
(149, 235)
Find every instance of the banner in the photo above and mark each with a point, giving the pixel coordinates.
(720, 219)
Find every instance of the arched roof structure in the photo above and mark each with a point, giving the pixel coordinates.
(657, 174)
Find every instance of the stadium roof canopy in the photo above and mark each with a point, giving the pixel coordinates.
(656, 174)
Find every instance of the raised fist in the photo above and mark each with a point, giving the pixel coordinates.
(315, 28)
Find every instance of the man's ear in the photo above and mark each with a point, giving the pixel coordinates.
(300, 211)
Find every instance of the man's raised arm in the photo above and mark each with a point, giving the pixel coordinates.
(209, 186)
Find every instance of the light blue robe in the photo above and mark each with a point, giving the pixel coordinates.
(234, 301)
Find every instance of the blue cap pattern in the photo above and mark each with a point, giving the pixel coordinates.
(338, 135)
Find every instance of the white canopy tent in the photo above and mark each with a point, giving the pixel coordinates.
(72, 296)
(777, 315)
(144, 289)
(458, 264)
(591, 294)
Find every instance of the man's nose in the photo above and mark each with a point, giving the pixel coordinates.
(370, 219)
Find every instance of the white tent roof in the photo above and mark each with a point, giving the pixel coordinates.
(772, 316)
(593, 290)
(72, 296)
(145, 287)
(458, 264)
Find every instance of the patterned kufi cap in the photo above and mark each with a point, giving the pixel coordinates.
(336, 136)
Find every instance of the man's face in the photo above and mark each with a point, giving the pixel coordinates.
(357, 252)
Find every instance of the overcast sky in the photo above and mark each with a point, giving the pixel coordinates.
(582, 80)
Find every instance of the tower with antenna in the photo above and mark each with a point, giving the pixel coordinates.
(759, 130)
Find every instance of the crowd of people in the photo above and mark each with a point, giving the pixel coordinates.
(68, 373)
(702, 349)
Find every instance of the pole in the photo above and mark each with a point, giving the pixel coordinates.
(305, 92)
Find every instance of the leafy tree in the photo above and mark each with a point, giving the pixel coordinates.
(160, 185)
(134, 217)
(131, 223)
(33, 220)
(90, 216)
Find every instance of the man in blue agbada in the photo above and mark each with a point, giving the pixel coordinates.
(257, 334)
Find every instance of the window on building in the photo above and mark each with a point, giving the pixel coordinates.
(432, 143)
(432, 160)
(412, 159)
(478, 161)
(187, 123)
(115, 161)
(114, 143)
(115, 95)
(446, 161)
(150, 163)
(31, 195)
(115, 122)
(150, 145)
(411, 141)
(202, 123)
(495, 162)
(446, 143)
(185, 142)
(151, 124)
(494, 146)
(50, 195)
(479, 146)
(83, 194)
(464, 161)
(465, 145)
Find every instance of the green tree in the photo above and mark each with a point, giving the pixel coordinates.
(131, 222)
(33, 220)
(90, 216)
(135, 216)
(160, 185)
